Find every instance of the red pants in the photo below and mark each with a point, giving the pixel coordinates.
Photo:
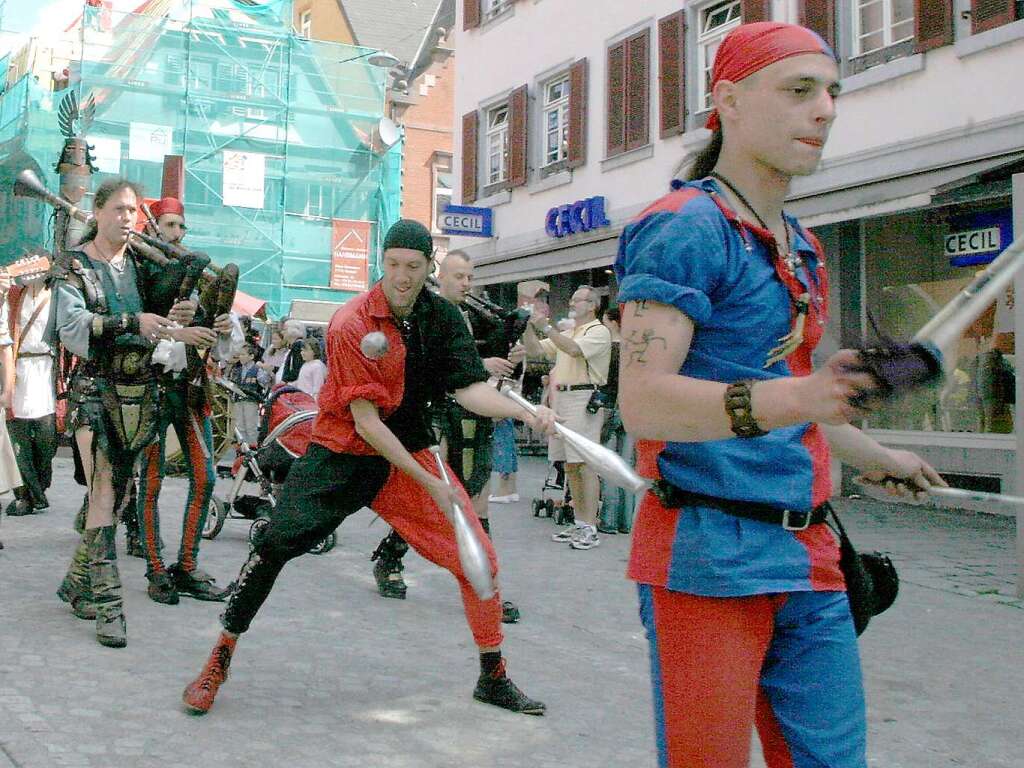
(322, 489)
(407, 507)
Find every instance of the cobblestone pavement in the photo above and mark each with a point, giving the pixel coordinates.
(333, 675)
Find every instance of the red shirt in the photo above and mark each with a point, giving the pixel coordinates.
(352, 376)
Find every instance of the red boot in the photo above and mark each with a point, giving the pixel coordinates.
(200, 693)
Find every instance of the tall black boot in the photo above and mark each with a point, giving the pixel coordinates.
(388, 569)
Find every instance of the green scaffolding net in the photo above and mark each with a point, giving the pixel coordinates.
(286, 170)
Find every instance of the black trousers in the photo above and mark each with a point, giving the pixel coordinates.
(35, 444)
(322, 489)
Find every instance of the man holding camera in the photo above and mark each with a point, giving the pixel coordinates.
(581, 358)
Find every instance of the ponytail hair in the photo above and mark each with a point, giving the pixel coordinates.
(707, 158)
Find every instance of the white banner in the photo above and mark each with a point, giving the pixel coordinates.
(147, 141)
(244, 174)
(106, 154)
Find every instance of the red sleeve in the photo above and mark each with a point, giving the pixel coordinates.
(354, 376)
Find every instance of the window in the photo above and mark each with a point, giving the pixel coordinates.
(442, 173)
(556, 120)
(306, 24)
(492, 8)
(786, 11)
(877, 24)
(716, 21)
(497, 144)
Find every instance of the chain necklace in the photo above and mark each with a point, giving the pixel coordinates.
(791, 259)
(109, 260)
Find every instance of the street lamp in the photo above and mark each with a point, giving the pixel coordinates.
(376, 59)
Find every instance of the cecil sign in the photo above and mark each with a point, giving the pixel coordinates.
(581, 216)
(978, 238)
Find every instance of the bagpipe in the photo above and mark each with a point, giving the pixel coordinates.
(218, 284)
(512, 322)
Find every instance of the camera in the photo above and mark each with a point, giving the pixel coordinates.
(598, 400)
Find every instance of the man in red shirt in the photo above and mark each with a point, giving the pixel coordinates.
(370, 447)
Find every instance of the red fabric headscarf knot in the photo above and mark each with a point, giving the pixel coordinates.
(167, 205)
(752, 47)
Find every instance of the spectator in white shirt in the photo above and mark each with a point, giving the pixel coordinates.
(313, 371)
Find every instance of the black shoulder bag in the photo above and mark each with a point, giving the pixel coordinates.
(871, 579)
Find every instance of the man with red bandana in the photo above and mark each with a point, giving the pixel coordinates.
(371, 448)
(190, 418)
(724, 297)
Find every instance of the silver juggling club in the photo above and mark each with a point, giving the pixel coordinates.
(472, 555)
(605, 462)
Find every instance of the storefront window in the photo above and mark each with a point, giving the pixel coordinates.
(916, 263)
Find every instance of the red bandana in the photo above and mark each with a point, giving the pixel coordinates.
(752, 47)
(167, 205)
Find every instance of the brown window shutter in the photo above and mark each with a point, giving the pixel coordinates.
(933, 24)
(518, 104)
(470, 14)
(989, 14)
(755, 10)
(638, 111)
(577, 153)
(820, 16)
(616, 99)
(470, 137)
(671, 73)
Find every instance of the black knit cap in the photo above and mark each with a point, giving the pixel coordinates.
(406, 233)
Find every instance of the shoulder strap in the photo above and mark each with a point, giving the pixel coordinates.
(32, 318)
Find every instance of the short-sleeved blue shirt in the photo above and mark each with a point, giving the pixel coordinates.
(689, 251)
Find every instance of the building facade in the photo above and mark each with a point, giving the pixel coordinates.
(280, 170)
(421, 86)
(914, 194)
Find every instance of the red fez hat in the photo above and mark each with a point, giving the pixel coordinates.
(751, 47)
(167, 205)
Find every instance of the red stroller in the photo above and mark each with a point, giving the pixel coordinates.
(286, 427)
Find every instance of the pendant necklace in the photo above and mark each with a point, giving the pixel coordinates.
(789, 343)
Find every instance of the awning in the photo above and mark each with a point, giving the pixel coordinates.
(543, 264)
(249, 305)
(891, 195)
(313, 312)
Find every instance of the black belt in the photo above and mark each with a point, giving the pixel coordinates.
(790, 519)
(22, 355)
(574, 387)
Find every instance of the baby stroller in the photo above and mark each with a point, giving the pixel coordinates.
(561, 510)
(286, 426)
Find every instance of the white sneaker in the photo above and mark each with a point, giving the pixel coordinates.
(585, 538)
(565, 534)
(510, 499)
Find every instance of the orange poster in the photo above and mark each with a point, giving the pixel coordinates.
(350, 255)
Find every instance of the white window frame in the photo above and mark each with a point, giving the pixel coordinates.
(561, 109)
(887, 34)
(492, 8)
(705, 38)
(494, 136)
(440, 158)
(306, 24)
(786, 11)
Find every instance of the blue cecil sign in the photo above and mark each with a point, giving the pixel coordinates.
(466, 220)
(978, 238)
(581, 216)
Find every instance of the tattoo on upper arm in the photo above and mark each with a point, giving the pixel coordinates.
(641, 308)
(638, 343)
